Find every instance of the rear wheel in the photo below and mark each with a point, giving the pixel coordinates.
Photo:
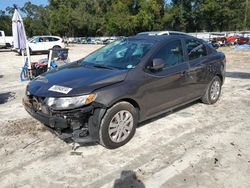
(213, 91)
(30, 51)
(56, 47)
(118, 125)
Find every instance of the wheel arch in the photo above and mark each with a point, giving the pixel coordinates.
(220, 76)
(56, 46)
(133, 102)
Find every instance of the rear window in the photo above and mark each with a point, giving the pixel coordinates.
(54, 39)
(196, 49)
(51, 39)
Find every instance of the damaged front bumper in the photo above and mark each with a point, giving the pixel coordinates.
(81, 125)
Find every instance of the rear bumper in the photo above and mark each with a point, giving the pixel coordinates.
(80, 125)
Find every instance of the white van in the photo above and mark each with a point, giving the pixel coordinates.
(5, 41)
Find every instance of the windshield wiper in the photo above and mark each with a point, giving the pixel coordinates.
(103, 66)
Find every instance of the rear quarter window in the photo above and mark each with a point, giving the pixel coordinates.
(195, 49)
(54, 39)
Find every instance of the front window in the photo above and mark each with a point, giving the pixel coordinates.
(171, 53)
(34, 39)
(123, 54)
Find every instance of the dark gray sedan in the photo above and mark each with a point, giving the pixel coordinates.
(102, 97)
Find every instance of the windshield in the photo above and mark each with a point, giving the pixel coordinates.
(122, 54)
(31, 38)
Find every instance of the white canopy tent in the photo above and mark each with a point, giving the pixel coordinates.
(19, 37)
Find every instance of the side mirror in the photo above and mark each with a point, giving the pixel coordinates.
(157, 64)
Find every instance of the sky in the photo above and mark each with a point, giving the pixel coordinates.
(20, 3)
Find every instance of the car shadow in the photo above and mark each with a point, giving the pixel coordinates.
(5, 50)
(5, 97)
(1, 76)
(241, 75)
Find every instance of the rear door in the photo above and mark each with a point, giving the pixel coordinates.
(51, 42)
(197, 57)
(166, 88)
(47, 43)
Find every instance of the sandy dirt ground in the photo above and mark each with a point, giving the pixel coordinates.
(195, 146)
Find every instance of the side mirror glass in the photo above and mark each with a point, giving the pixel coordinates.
(157, 64)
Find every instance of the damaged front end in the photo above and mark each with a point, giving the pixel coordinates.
(79, 124)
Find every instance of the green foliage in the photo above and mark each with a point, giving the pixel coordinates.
(128, 17)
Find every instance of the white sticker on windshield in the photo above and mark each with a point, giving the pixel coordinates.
(60, 89)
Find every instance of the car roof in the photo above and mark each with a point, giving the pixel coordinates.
(159, 38)
(162, 33)
(46, 36)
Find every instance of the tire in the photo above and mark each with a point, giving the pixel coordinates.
(213, 91)
(30, 51)
(20, 52)
(108, 133)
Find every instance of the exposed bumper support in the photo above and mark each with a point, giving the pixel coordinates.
(80, 125)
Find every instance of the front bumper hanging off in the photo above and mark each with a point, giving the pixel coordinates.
(81, 125)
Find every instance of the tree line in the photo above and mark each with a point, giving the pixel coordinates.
(128, 17)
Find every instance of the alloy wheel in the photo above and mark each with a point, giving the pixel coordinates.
(215, 90)
(120, 126)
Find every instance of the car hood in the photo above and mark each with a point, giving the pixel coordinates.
(79, 79)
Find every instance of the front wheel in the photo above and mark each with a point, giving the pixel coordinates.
(213, 91)
(118, 125)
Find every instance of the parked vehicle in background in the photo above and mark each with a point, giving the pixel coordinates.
(70, 40)
(245, 34)
(218, 38)
(243, 40)
(202, 35)
(5, 41)
(44, 43)
(91, 40)
(215, 45)
(98, 41)
(102, 97)
(152, 33)
(107, 41)
(83, 40)
(231, 39)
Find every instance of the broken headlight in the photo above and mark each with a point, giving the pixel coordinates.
(63, 103)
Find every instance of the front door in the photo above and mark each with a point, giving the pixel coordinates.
(167, 87)
(199, 63)
(37, 44)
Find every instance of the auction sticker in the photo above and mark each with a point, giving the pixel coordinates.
(60, 89)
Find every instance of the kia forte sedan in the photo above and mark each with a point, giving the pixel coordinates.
(102, 97)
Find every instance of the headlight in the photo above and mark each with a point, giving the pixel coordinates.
(64, 103)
